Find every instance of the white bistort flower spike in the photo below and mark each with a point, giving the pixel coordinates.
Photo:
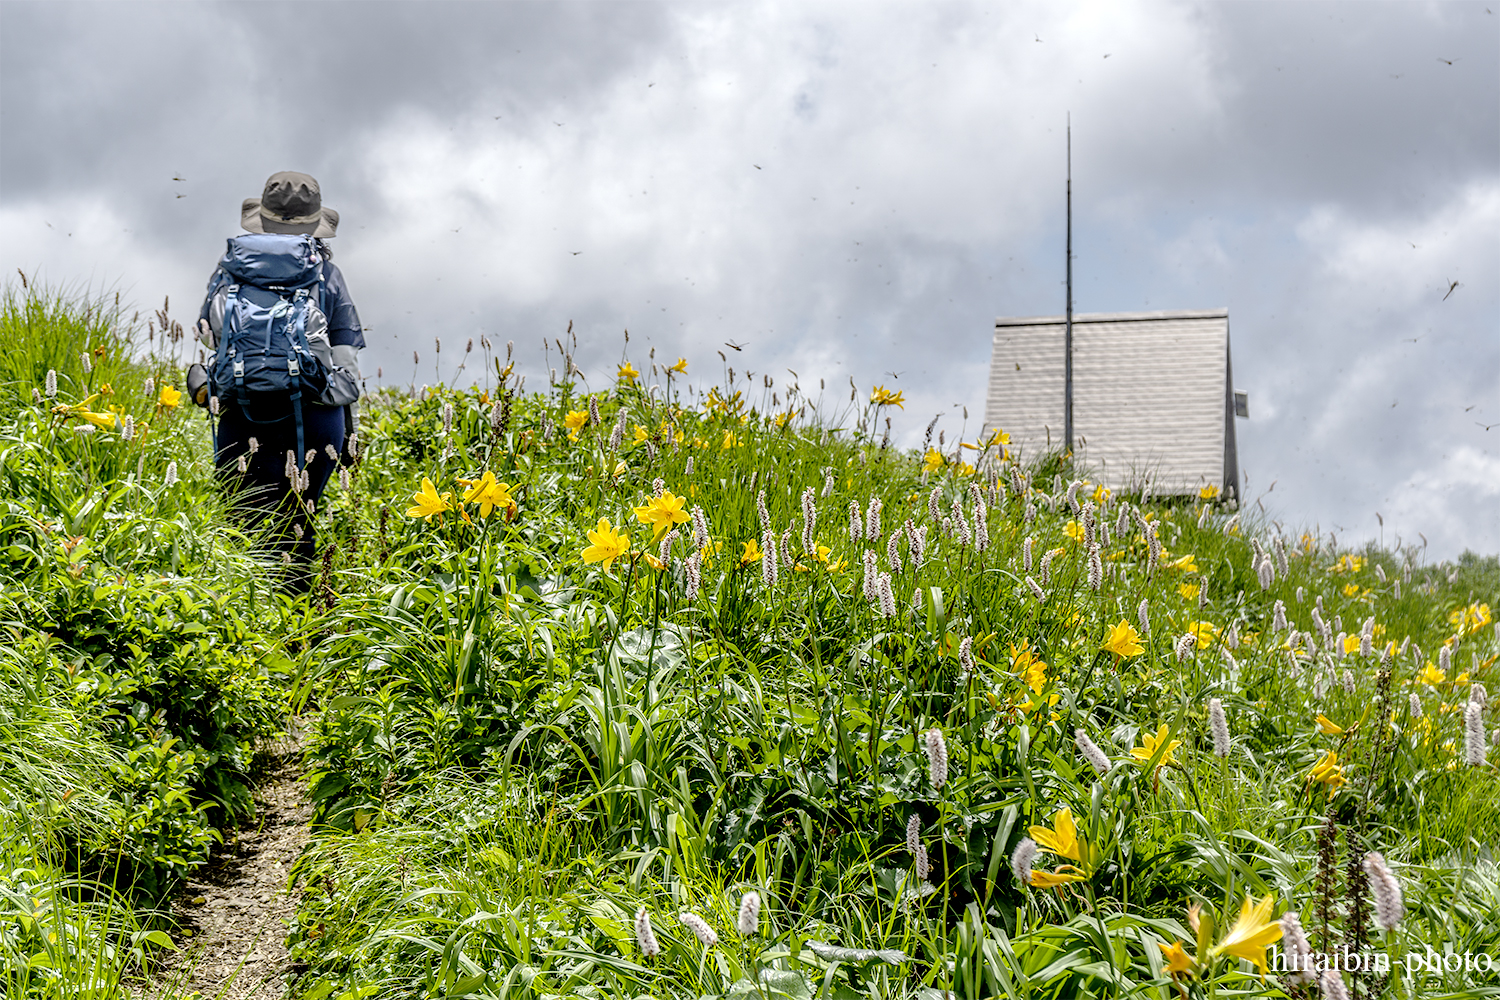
(893, 551)
(1390, 908)
(1219, 726)
(937, 758)
(1021, 859)
(887, 597)
(749, 916)
(50, 390)
(1091, 752)
(645, 937)
(921, 863)
(1299, 956)
(913, 833)
(699, 927)
(1474, 735)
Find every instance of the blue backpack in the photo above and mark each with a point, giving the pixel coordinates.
(263, 361)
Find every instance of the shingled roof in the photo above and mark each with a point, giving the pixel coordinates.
(1153, 396)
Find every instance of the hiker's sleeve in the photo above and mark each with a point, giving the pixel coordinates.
(343, 320)
(212, 312)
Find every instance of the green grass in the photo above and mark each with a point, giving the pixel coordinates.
(512, 752)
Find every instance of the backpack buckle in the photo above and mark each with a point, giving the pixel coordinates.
(239, 369)
(292, 368)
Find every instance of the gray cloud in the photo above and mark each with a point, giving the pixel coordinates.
(851, 190)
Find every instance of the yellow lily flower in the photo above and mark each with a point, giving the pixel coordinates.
(1328, 773)
(751, 554)
(170, 396)
(1063, 840)
(489, 493)
(662, 512)
(932, 461)
(628, 373)
(428, 501)
(1123, 640)
(1204, 632)
(1189, 591)
(1208, 493)
(882, 396)
(1183, 564)
(575, 421)
(1061, 875)
(730, 441)
(1073, 530)
(1328, 728)
(1252, 932)
(1150, 743)
(605, 544)
(1179, 962)
(1431, 676)
(680, 367)
(1031, 668)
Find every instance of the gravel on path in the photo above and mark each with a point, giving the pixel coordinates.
(232, 918)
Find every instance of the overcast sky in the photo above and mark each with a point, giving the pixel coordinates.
(848, 190)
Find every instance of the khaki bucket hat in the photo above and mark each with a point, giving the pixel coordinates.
(291, 203)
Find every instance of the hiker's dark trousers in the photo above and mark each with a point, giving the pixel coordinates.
(263, 494)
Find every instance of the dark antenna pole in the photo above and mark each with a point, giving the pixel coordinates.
(1068, 323)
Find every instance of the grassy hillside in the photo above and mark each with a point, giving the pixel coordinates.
(833, 720)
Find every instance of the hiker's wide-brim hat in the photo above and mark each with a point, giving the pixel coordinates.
(291, 203)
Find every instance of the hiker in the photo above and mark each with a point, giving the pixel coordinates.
(283, 383)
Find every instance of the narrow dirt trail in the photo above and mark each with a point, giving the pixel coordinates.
(238, 908)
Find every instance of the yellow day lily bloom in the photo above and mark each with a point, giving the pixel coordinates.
(1189, 591)
(170, 396)
(730, 441)
(641, 434)
(428, 501)
(575, 421)
(1208, 493)
(1204, 633)
(1063, 839)
(653, 562)
(751, 554)
(488, 493)
(882, 396)
(680, 367)
(1123, 640)
(932, 461)
(605, 544)
(104, 421)
(821, 555)
(1252, 932)
(1183, 564)
(1328, 773)
(1031, 668)
(1431, 675)
(1150, 743)
(1073, 530)
(1061, 875)
(627, 372)
(662, 512)
(1328, 728)
(1179, 962)
(1470, 619)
